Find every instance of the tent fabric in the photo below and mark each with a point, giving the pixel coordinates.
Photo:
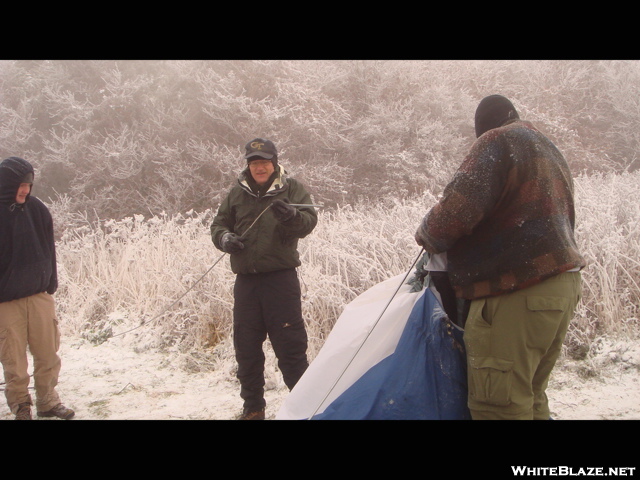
(407, 363)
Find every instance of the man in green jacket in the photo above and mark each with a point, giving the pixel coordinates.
(507, 221)
(259, 224)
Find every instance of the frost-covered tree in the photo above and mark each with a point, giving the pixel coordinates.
(117, 138)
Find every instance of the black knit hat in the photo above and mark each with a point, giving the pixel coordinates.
(261, 148)
(492, 112)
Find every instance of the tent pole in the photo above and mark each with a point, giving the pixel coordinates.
(367, 336)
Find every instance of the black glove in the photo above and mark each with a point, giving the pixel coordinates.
(231, 243)
(283, 211)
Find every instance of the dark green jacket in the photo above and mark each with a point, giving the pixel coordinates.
(268, 245)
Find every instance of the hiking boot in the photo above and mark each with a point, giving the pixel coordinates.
(24, 412)
(252, 415)
(59, 411)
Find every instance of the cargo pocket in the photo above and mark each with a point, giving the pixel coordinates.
(490, 380)
(548, 315)
(477, 331)
(539, 303)
(57, 334)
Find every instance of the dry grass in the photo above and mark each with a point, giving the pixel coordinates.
(132, 275)
(608, 235)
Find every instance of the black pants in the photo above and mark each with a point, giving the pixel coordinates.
(268, 304)
(456, 309)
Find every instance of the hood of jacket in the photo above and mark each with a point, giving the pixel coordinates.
(13, 172)
(276, 184)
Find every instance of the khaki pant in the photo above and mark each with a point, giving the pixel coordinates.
(512, 343)
(30, 322)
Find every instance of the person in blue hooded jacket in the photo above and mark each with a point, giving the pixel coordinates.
(28, 279)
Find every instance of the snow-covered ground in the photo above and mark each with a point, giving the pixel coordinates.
(113, 381)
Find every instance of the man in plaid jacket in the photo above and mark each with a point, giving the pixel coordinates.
(506, 221)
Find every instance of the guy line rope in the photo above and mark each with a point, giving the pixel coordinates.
(366, 337)
(205, 273)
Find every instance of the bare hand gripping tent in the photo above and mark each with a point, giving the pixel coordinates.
(398, 359)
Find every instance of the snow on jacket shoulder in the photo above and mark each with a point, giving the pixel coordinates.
(506, 220)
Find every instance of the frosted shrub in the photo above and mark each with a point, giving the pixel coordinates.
(608, 235)
(133, 277)
(130, 275)
(141, 267)
(352, 249)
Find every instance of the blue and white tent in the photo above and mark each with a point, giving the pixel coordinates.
(393, 354)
